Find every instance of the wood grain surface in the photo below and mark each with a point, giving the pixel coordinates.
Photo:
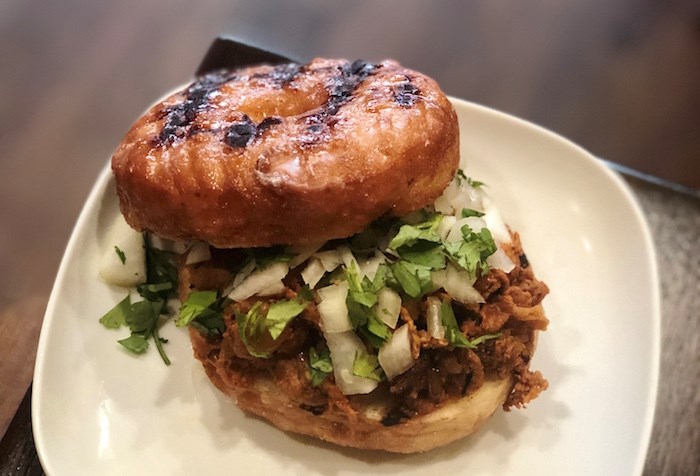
(619, 78)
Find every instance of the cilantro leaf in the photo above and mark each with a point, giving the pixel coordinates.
(471, 253)
(470, 212)
(120, 253)
(136, 343)
(484, 338)
(320, 365)
(281, 313)
(414, 279)
(367, 365)
(376, 331)
(409, 235)
(116, 317)
(251, 327)
(209, 322)
(160, 267)
(142, 318)
(196, 303)
(424, 254)
(452, 332)
(272, 254)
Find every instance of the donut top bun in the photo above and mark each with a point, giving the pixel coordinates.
(287, 154)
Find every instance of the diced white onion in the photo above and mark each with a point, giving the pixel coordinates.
(445, 226)
(330, 259)
(455, 234)
(272, 290)
(333, 308)
(456, 197)
(500, 260)
(395, 355)
(343, 347)
(370, 266)
(244, 273)
(494, 222)
(313, 272)
(171, 246)
(129, 241)
(199, 252)
(388, 306)
(443, 204)
(432, 317)
(457, 283)
(347, 257)
(302, 252)
(259, 280)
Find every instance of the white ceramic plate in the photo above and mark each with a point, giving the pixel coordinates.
(99, 410)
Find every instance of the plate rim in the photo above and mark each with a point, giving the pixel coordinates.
(102, 181)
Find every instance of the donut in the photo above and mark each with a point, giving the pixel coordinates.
(287, 154)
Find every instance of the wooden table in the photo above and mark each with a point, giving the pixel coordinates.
(620, 78)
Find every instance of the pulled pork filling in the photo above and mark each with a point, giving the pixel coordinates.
(506, 321)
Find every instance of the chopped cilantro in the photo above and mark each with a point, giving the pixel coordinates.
(470, 212)
(376, 331)
(425, 254)
(320, 365)
(409, 235)
(471, 182)
(251, 327)
(116, 317)
(367, 365)
(254, 325)
(272, 254)
(452, 332)
(136, 343)
(414, 279)
(197, 302)
(471, 253)
(281, 313)
(120, 253)
(209, 322)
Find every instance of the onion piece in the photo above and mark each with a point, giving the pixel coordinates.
(164, 244)
(330, 259)
(303, 252)
(445, 226)
(348, 258)
(244, 273)
(333, 308)
(458, 284)
(130, 242)
(432, 317)
(494, 222)
(443, 204)
(370, 266)
(388, 306)
(395, 355)
(500, 260)
(198, 253)
(272, 290)
(259, 280)
(344, 346)
(313, 272)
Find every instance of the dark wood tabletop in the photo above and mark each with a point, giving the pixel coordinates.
(619, 78)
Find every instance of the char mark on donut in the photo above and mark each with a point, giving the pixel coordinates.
(406, 94)
(281, 75)
(341, 88)
(180, 117)
(243, 132)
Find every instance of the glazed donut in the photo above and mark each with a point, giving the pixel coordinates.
(287, 154)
